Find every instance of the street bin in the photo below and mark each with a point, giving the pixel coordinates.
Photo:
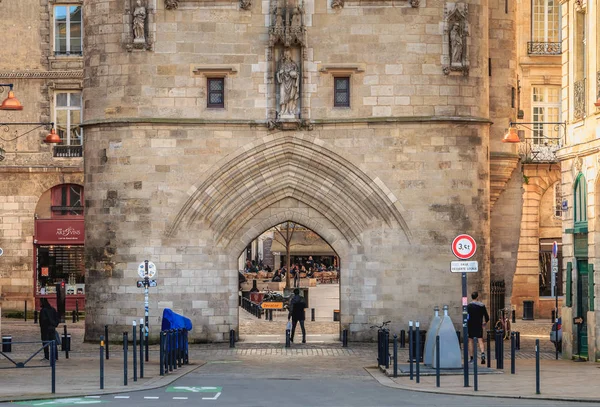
(6, 344)
(423, 336)
(66, 343)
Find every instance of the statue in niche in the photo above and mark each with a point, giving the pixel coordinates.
(297, 30)
(139, 22)
(456, 45)
(171, 4)
(288, 76)
(277, 32)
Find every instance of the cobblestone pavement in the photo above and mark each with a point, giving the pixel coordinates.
(251, 325)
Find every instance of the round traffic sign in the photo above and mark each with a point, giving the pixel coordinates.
(1, 251)
(464, 247)
(142, 270)
(555, 249)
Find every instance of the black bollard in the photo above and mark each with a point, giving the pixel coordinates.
(106, 336)
(141, 349)
(65, 342)
(518, 344)
(51, 348)
(501, 350)
(35, 317)
(418, 346)
(312, 314)
(287, 338)
(161, 353)
(77, 309)
(395, 355)
(437, 361)
(386, 344)
(179, 347)
(475, 382)
(512, 353)
(231, 338)
(537, 366)
(101, 362)
(497, 348)
(489, 349)
(172, 350)
(73, 316)
(134, 338)
(25, 314)
(345, 338)
(410, 349)
(186, 359)
(514, 319)
(403, 339)
(125, 346)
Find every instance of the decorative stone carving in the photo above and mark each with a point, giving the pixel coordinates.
(139, 23)
(288, 78)
(245, 4)
(287, 27)
(415, 3)
(171, 4)
(577, 165)
(277, 30)
(581, 6)
(337, 4)
(456, 31)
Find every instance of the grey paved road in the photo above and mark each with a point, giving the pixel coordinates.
(277, 380)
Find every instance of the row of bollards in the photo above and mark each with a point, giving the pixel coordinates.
(252, 308)
(174, 350)
(74, 313)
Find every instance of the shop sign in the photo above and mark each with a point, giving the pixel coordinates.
(272, 305)
(59, 231)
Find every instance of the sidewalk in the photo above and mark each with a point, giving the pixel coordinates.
(559, 380)
(80, 374)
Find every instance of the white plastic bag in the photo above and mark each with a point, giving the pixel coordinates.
(289, 326)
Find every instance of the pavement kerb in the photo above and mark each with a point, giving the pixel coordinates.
(152, 384)
(384, 380)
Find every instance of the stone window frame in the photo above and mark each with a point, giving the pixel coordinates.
(342, 71)
(67, 88)
(348, 90)
(52, 4)
(209, 92)
(210, 71)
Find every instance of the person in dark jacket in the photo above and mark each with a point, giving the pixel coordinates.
(297, 306)
(475, 324)
(48, 323)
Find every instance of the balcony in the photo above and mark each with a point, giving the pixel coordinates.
(535, 150)
(68, 151)
(544, 48)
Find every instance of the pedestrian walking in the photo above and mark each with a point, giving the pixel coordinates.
(475, 324)
(48, 323)
(296, 314)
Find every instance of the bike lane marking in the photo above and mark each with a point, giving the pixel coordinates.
(60, 402)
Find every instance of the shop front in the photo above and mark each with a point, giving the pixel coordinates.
(59, 259)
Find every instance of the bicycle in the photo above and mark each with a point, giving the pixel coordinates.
(503, 322)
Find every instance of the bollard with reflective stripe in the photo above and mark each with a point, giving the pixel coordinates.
(410, 348)
(101, 362)
(141, 348)
(418, 346)
(475, 382)
(537, 366)
(134, 338)
(125, 346)
(437, 361)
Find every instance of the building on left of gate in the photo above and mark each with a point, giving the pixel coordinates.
(41, 192)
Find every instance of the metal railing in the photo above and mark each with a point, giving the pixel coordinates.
(544, 48)
(540, 150)
(579, 99)
(68, 151)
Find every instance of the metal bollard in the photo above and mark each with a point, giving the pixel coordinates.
(106, 336)
(231, 338)
(172, 350)
(512, 353)
(187, 353)
(179, 347)
(73, 317)
(312, 314)
(403, 339)
(497, 348)
(77, 309)
(25, 311)
(518, 344)
(395, 355)
(386, 353)
(514, 316)
(287, 338)
(475, 382)
(125, 346)
(537, 366)
(66, 342)
(51, 347)
(410, 348)
(489, 349)
(134, 338)
(345, 338)
(175, 348)
(418, 346)
(501, 350)
(161, 354)
(35, 316)
(141, 348)
(101, 362)
(437, 361)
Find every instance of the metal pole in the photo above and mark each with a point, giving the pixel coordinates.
(73, 317)
(147, 328)
(125, 346)
(403, 338)
(395, 355)
(489, 349)
(161, 354)
(556, 318)
(465, 333)
(51, 346)
(171, 350)
(497, 348)
(134, 336)
(345, 338)
(187, 348)
(175, 348)
(101, 362)
(418, 359)
(437, 361)
(35, 316)
(312, 314)
(141, 349)
(25, 311)
(231, 338)
(410, 348)
(512, 353)
(501, 336)
(475, 382)
(77, 309)
(537, 366)
(287, 338)
(106, 336)
(66, 343)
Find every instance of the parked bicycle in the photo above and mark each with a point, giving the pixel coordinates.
(503, 322)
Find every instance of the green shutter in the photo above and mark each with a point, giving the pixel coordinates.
(591, 285)
(568, 293)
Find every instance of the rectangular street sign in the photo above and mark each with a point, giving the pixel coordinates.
(554, 262)
(464, 266)
(272, 305)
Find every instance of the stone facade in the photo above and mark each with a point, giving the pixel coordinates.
(388, 182)
(29, 168)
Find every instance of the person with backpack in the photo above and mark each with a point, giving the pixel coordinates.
(297, 306)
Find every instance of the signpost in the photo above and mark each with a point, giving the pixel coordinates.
(464, 247)
(554, 274)
(146, 270)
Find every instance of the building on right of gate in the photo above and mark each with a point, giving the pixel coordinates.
(580, 185)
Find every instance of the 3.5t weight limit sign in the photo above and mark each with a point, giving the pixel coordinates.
(464, 247)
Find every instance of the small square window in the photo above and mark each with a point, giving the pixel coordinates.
(216, 92)
(341, 97)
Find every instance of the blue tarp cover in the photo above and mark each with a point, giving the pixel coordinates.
(172, 320)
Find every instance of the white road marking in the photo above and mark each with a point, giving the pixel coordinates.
(212, 398)
(151, 398)
(180, 398)
(268, 335)
(92, 397)
(121, 397)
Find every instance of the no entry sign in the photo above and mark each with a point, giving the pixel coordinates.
(464, 247)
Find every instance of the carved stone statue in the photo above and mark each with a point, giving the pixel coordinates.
(297, 29)
(456, 45)
(171, 4)
(139, 22)
(277, 31)
(288, 76)
(337, 4)
(245, 4)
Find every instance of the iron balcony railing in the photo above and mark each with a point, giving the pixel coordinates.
(544, 48)
(579, 99)
(68, 151)
(541, 143)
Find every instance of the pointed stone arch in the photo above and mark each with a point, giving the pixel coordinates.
(276, 167)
